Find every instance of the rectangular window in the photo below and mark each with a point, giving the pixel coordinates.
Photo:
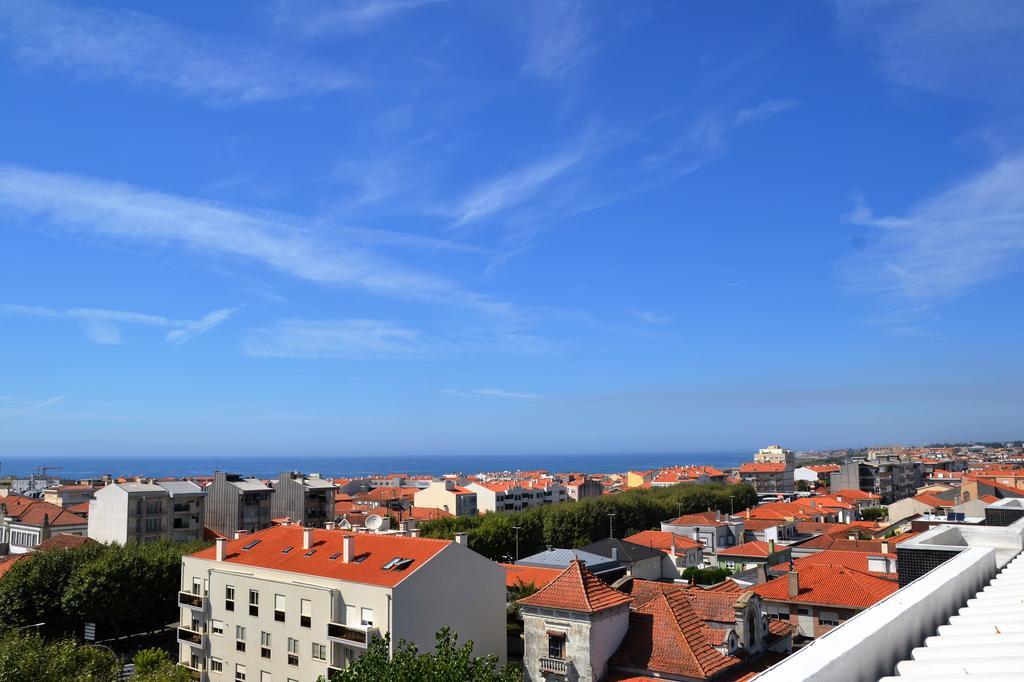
(239, 638)
(556, 645)
(828, 618)
(366, 616)
(229, 598)
(264, 676)
(279, 607)
(305, 613)
(239, 672)
(293, 651)
(254, 603)
(216, 665)
(216, 627)
(319, 651)
(265, 644)
(197, 585)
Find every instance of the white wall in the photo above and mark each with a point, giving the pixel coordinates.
(108, 515)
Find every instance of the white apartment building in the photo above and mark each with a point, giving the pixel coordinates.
(774, 454)
(288, 604)
(447, 496)
(146, 512)
(509, 496)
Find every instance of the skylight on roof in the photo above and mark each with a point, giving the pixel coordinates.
(335, 556)
(251, 544)
(397, 564)
(310, 553)
(287, 549)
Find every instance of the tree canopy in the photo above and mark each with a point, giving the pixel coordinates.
(575, 524)
(449, 662)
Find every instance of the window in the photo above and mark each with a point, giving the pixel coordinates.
(293, 651)
(229, 598)
(828, 618)
(216, 665)
(556, 645)
(279, 607)
(254, 603)
(305, 612)
(319, 651)
(154, 524)
(264, 676)
(239, 672)
(217, 627)
(265, 644)
(239, 638)
(197, 585)
(366, 616)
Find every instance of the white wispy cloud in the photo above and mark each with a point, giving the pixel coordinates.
(312, 19)
(651, 317)
(100, 325)
(557, 38)
(14, 407)
(515, 187)
(946, 244)
(335, 339)
(95, 43)
(493, 393)
(274, 240)
(963, 49)
(763, 111)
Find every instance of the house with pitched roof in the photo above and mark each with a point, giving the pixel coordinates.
(711, 528)
(290, 602)
(26, 522)
(678, 552)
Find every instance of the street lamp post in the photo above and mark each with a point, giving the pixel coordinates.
(611, 527)
(731, 508)
(517, 529)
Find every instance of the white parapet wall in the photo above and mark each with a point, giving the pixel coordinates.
(869, 645)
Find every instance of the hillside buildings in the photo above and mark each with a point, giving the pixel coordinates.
(295, 603)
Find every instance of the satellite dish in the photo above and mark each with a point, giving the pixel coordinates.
(373, 522)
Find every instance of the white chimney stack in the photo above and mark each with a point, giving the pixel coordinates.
(415, 532)
(307, 538)
(460, 538)
(329, 525)
(221, 548)
(348, 549)
(239, 534)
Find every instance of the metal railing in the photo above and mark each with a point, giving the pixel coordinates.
(196, 601)
(352, 635)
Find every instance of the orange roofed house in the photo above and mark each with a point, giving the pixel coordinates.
(290, 602)
(26, 522)
(578, 628)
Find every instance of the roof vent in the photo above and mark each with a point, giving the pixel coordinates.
(287, 549)
(250, 544)
(397, 564)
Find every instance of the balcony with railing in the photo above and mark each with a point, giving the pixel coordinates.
(195, 601)
(195, 669)
(554, 666)
(190, 635)
(358, 636)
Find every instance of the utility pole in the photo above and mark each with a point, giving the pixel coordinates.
(611, 528)
(731, 508)
(517, 529)
(679, 509)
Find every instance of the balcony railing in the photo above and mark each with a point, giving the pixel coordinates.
(555, 666)
(352, 635)
(195, 601)
(191, 636)
(194, 671)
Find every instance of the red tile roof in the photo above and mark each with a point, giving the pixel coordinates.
(538, 576)
(377, 550)
(577, 589)
(756, 548)
(710, 604)
(7, 562)
(830, 586)
(708, 518)
(667, 636)
(663, 540)
(839, 557)
(34, 512)
(762, 468)
(62, 541)
(934, 501)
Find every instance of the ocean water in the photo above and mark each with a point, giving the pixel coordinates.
(350, 466)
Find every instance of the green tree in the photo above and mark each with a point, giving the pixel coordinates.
(29, 657)
(874, 513)
(706, 576)
(155, 665)
(449, 662)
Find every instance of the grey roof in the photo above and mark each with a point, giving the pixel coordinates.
(139, 487)
(560, 558)
(180, 487)
(314, 482)
(250, 484)
(628, 551)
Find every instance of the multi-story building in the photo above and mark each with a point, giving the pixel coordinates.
(774, 454)
(711, 529)
(768, 477)
(889, 477)
(293, 603)
(582, 488)
(188, 510)
(512, 496)
(449, 497)
(305, 500)
(69, 495)
(27, 522)
(130, 512)
(237, 504)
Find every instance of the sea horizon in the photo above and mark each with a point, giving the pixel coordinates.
(351, 466)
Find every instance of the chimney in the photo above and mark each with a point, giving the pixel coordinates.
(415, 532)
(748, 513)
(813, 504)
(718, 515)
(240, 533)
(771, 546)
(839, 498)
(307, 538)
(851, 536)
(885, 547)
(794, 583)
(221, 548)
(460, 538)
(348, 549)
(615, 553)
(330, 525)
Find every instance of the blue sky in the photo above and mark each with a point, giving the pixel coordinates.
(413, 226)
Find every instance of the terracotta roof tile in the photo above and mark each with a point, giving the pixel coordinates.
(538, 576)
(377, 551)
(830, 586)
(663, 540)
(577, 589)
